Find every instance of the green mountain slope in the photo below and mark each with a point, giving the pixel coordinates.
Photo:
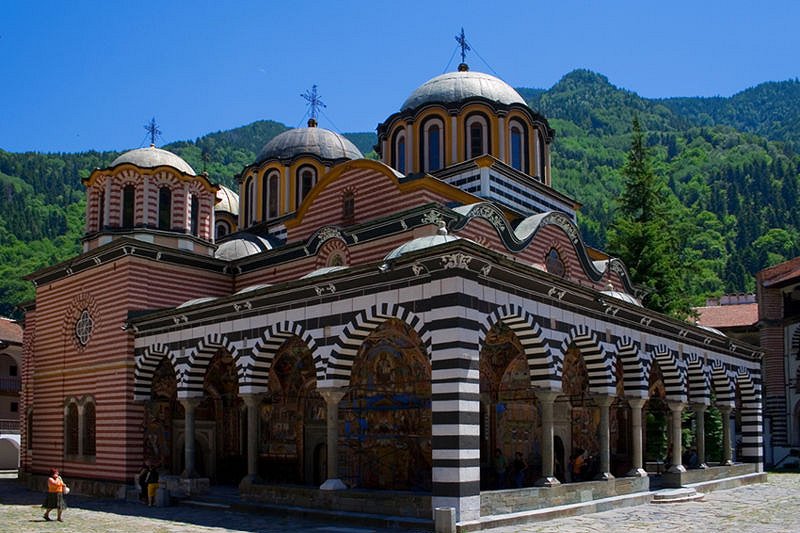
(730, 164)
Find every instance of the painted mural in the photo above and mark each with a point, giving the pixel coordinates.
(159, 413)
(291, 404)
(385, 429)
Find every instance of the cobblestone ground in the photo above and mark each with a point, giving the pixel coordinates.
(769, 508)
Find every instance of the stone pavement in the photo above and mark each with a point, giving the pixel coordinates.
(769, 507)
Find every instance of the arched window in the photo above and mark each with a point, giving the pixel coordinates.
(519, 143)
(71, 429)
(89, 429)
(164, 208)
(195, 219)
(101, 211)
(222, 229)
(306, 178)
(270, 187)
(540, 157)
(399, 159)
(128, 200)
(249, 212)
(433, 145)
(348, 206)
(477, 136)
(553, 263)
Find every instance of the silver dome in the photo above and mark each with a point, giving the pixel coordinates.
(455, 87)
(314, 141)
(152, 157)
(242, 245)
(228, 201)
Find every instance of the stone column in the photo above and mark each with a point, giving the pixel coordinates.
(700, 433)
(189, 405)
(332, 398)
(252, 401)
(637, 458)
(726, 435)
(604, 402)
(546, 399)
(676, 408)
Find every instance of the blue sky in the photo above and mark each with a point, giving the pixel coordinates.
(79, 75)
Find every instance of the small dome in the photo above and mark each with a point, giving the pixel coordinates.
(313, 141)
(153, 157)
(196, 301)
(242, 245)
(454, 87)
(324, 270)
(420, 243)
(624, 296)
(228, 201)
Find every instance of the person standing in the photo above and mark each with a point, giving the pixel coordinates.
(500, 466)
(152, 484)
(519, 466)
(142, 480)
(55, 495)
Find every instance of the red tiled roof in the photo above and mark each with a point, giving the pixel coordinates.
(728, 316)
(10, 330)
(780, 273)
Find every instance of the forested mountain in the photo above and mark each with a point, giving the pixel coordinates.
(730, 164)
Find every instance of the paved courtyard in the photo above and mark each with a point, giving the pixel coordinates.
(769, 507)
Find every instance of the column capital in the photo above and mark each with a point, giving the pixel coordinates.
(675, 405)
(332, 395)
(699, 407)
(251, 400)
(603, 401)
(190, 403)
(725, 409)
(547, 395)
(636, 403)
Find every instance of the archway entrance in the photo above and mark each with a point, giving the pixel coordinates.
(292, 419)
(509, 411)
(161, 413)
(386, 426)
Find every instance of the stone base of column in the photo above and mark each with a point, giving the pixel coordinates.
(195, 485)
(252, 479)
(726, 463)
(604, 476)
(702, 466)
(677, 469)
(333, 484)
(547, 482)
(636, 472)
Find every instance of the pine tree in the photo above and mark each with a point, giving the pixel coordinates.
(642, 234)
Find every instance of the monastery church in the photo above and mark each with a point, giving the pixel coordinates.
(402, 328)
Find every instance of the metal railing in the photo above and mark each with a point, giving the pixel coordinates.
(9, 425)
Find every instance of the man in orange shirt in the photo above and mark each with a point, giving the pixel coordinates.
(55, 495)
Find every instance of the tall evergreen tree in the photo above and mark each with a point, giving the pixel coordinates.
(642, 234)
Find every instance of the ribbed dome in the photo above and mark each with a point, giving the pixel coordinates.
(420, 243)
(454, 87)
(228, 201)
(314, 141)
(152, 157)
(242, 245)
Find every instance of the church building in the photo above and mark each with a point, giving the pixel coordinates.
(405, 328)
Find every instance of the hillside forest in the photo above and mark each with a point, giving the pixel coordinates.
(731, 165)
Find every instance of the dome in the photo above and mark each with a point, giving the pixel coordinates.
(314, 141)
(153, 157)
(242, 245)
(624, 296)
(420, 243)
(324, 270)
(454, 87)
(228, 201)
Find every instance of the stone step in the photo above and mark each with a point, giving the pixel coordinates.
(684, 494)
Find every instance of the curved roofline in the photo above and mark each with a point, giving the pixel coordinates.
(346, 146)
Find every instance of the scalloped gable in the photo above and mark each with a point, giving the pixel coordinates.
(534, 237)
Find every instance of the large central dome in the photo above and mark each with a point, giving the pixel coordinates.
(455, 87)
(319, 142)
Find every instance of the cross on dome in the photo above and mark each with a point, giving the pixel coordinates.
(315, 103)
